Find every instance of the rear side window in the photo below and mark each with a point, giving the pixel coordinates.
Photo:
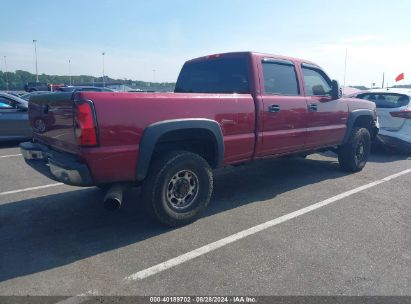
(316, 83)
(386, 100)
(280, 79)
(223, 75)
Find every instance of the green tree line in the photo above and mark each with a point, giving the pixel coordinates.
(15, 81)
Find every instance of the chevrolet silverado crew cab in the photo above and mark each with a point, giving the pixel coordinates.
(226, 109)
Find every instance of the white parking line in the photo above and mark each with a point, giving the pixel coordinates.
(253, 230)
(13, 155)
(30, 189)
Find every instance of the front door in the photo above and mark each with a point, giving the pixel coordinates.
(326, 118)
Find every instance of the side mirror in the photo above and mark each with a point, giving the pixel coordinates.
(335, 90)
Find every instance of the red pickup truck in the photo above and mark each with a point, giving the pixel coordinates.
(226, 109)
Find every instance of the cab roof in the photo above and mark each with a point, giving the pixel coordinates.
(253, 54)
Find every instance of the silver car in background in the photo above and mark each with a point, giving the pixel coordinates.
(394, 116)
(14, 122)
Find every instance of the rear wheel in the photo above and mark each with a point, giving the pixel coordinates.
(178, 188)
(353, 155)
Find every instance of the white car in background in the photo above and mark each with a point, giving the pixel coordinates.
(394, 116)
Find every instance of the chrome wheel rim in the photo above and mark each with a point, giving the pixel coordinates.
(182, 189)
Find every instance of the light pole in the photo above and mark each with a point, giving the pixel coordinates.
(70, 70)
(104, 83)
(7, 77)
(35, 54)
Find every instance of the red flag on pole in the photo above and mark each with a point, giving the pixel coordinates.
(399, 77)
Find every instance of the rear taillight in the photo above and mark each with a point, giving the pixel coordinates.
(85, 124)
(402, 114)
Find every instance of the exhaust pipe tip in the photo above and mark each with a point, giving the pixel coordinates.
(114, 197)
(112, 203)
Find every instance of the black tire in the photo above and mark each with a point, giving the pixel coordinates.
(178, 188)
(353, 155)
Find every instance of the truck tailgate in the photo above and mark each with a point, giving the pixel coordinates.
(51, 117)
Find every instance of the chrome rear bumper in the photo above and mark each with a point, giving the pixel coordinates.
(59, 166)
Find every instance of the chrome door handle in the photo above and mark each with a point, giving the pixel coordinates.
(312, 107)
(274, 108)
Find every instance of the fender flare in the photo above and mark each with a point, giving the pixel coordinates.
(353, 117)
(153, 132)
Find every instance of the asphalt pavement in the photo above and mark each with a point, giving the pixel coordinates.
(275, 227)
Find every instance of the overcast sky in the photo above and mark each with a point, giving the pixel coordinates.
(141, 36)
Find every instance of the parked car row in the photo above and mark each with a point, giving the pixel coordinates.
(42, 86)
(83, 89)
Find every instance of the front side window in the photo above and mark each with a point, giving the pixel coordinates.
(316, 83)
(280, 79)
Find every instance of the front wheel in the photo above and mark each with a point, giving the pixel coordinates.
(354, 154)
(178, 188)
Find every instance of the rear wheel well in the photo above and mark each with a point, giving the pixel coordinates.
(198, 141)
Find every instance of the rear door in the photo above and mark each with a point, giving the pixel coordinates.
(387, 103)
(284, 108)
(13, 119)
(326, 118)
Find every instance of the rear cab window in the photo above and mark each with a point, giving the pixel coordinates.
(215, 75)
(280, 77)
(386, 100)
